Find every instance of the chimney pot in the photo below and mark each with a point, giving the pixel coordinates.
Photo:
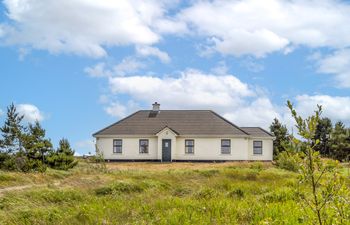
(156, 107)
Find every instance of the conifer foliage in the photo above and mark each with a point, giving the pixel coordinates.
(26, 147)
(63, 157)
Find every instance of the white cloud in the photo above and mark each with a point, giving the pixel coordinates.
(337, 64)
(99, 70)
(84, 146)
(128, 65)
(221, 68)
(194, 89)
(119, 110)
(257, 27)
(30, 112)
(116, 109)
(334, 107)
(146, 51)
(82, 27)
(243, 104)
(191, 87)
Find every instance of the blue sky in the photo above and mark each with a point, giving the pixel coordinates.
(78, 66)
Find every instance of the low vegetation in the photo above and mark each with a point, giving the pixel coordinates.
(300, 187)
(224, 193)
(24, 147)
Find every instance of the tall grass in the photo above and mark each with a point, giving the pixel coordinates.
(225, 195)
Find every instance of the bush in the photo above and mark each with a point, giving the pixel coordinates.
(289, 161)
(237, 192)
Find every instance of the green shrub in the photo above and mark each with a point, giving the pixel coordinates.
(289, 161)
(237, 192)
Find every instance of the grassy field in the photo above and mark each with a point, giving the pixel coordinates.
(152, 193)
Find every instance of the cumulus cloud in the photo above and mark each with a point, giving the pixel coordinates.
(337, 64)
(30, 112)
(98, 70)
(335, 107)
(193, 89)
(120, 110)
(146, 51)
(83, 27)
(257, 27)
(126, 66)
(190, 87)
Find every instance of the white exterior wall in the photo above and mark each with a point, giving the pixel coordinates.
(130, 148)
(267, 149)
(205, 148)
(210, 149)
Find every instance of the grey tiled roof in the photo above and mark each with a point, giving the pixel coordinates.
(257, 132)
(184, 122)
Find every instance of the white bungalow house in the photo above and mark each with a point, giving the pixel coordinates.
(181, 135)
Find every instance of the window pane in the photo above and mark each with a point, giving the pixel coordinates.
(257, 143)
(189, 142)
(225, 150)
(225, 142)
(258, 150)
(143, 146)
(118, 149)
(117, 142)
(189, 149)
(117, 146)
(189, 146)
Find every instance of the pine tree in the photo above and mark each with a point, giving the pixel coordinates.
(36, 146)
(282, 137)
(340, 142)
(12, 132)
(63, 158)
(322, 133)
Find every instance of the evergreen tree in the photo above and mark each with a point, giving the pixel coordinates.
(63, 158)
(340, 142)
(323, 133)
(282, 137)
(12, 132)
(36, 146)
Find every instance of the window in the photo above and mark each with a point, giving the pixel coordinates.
(225, 146)
(189, 146)
(257, 147)
(117, 145)
(143, 146)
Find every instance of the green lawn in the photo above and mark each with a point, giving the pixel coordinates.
(245, 193)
